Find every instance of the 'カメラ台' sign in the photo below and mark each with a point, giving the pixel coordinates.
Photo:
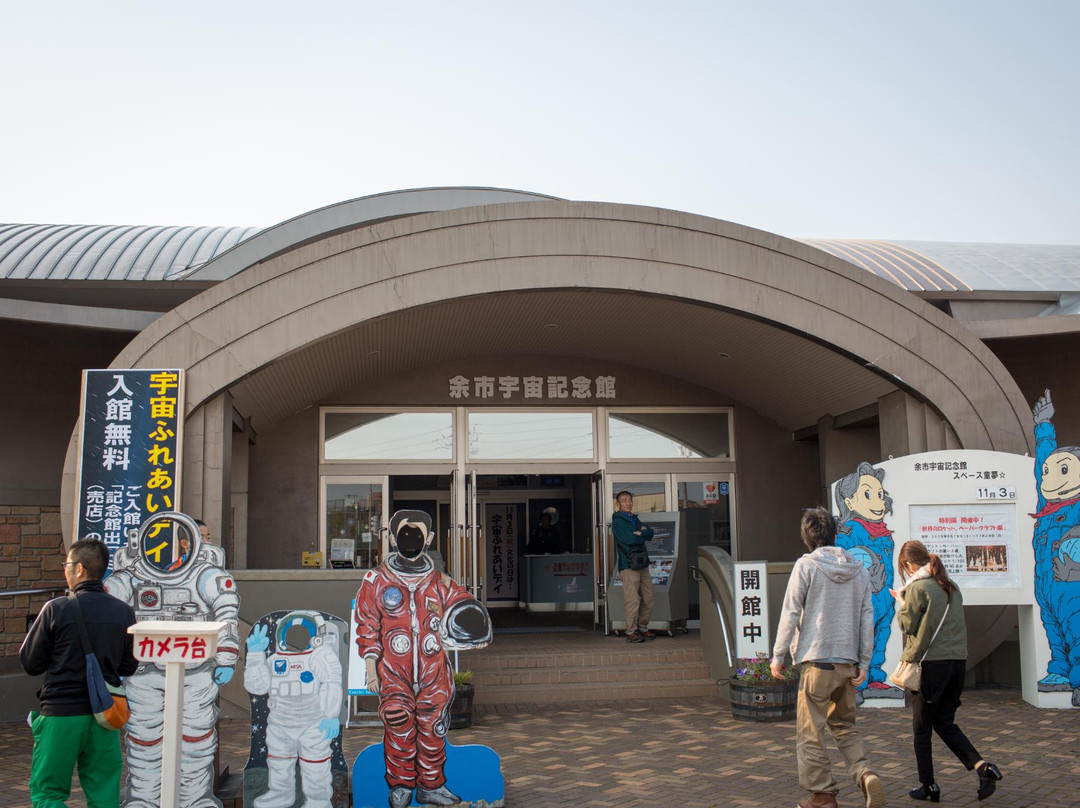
(129, 450)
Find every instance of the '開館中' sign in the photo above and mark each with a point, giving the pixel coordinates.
(751, 610)
(129, 451)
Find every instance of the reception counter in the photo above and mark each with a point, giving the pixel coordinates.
(558, 583)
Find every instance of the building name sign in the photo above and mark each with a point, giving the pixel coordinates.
(532, 387)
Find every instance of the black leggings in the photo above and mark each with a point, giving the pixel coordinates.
(934, 710)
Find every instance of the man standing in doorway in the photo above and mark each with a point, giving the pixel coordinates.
(630, 538)
(827, 626)
(66, 733)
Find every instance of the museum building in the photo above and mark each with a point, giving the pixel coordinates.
(475, 351)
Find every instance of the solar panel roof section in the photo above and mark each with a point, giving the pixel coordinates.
(109, 252)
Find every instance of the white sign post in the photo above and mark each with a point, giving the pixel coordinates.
(751, 610)
(176, 644)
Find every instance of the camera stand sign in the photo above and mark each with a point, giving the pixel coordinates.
(751, 610)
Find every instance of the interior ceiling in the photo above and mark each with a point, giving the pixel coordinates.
(785, 376)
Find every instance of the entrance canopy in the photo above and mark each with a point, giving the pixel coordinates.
(791, 331)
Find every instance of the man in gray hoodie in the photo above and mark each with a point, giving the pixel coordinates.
(827, 627)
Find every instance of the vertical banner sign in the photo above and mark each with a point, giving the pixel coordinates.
(751, 610)
(505, 523)
(129, 451)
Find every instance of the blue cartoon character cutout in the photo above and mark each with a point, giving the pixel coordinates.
(1057, 551)
(863, 503)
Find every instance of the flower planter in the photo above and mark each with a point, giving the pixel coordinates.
(764, 701)
(461, 706)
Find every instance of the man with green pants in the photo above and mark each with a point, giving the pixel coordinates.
(66, 734)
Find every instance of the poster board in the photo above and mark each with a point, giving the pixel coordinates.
(130, 442)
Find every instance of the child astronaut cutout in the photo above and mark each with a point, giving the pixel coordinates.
(147, 576)
(305, 700)
(408, 615)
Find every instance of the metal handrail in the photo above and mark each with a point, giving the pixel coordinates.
(719, 611)
(9, 593)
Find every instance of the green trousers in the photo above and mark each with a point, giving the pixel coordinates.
(62, 742)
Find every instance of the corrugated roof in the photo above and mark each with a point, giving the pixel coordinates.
(943, 266)
(109, 252)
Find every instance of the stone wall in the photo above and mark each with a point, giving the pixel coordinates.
(31, 554)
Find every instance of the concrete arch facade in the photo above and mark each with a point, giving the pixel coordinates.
(304, 296)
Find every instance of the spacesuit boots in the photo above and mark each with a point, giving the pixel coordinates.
(437, 796)
(400, 797)
(282, 788)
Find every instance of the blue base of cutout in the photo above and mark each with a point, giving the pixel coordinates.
(473, 772)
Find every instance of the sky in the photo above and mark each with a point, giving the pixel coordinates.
(950, 120)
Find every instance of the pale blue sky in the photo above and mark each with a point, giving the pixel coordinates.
(953, 121)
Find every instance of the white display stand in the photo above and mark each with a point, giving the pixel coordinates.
(959, 503)
(176, 644)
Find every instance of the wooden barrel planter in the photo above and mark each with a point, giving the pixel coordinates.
(461, 706)
(764, 701)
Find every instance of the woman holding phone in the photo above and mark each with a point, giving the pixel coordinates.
(931, 616)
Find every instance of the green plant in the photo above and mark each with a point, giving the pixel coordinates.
(462, 677)
(758, 670)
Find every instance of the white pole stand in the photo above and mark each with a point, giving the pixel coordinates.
(174, 644)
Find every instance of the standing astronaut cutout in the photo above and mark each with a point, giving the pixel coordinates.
(407, 616)
(1057, 551)
(294, 675)
(146, 575)
(863, 503)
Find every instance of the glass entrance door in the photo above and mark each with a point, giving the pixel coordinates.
(705, 503)
(600, 549)
(353, 516)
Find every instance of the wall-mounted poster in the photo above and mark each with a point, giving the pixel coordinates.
(976, 543)
(505, 531)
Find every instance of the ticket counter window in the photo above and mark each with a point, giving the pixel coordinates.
(353, 518)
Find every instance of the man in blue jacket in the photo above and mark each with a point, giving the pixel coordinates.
(630, 538)
(66, 733)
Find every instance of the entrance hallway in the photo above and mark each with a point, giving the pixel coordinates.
(556, 658)
(690, 753)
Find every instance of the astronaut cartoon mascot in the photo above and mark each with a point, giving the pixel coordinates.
(199, 589)
(305, 692)
(863, 503)
(1057, 551)
(408, 615)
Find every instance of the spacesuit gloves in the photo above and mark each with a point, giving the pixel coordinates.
(1043, 409)
(258, 640)
(330, 727)
(223, 675)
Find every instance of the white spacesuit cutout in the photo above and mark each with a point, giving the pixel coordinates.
(305, 694)
(198, 589)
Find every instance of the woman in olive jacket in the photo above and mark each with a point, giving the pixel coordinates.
(926, 593)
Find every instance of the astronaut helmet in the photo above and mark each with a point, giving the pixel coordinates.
(312, 622)
(410, 533)
(164, 552)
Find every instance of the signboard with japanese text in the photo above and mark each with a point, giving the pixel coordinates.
(163, 641)
(970, 507)
(129, 450)
(751, 610)
(544, 388)
(504, 531)
(976, 543)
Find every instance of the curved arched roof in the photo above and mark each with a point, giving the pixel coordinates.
(126, 253)
(944, 266)
(109, 252)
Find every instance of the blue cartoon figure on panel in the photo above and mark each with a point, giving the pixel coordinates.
(863, 503)
(1057, 551)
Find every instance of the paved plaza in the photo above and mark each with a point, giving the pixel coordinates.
(690, 752)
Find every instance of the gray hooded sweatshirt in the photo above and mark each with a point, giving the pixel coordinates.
(827, 612)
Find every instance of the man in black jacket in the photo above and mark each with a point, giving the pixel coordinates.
(66, 733)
